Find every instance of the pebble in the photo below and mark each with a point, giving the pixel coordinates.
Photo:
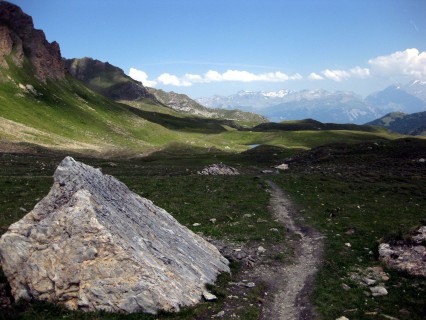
(342, 318)
(348, 244)
(345, 287)
(378, 291)
(209, 296)
(196, 224)
(219, 314)
(250, 285)
(261, 249)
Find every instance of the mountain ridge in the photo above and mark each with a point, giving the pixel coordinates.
(323, 105)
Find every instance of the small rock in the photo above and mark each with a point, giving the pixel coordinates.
(209, 296)
(345, 287)
(378, 291)
(388, 317)
(250, 285)
(422, 160)
(283, 166)
(348, 244)
(274, 230)
(247, 215)
(241, 255)
(219, 314)
(369, 281)
(23, 209)
(261, 249)
(213, 220)
(196, 224)
(342, 318)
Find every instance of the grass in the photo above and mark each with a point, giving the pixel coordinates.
(376, 189)
(170, 184)
(378, 203)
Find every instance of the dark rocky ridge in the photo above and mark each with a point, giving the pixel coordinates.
(19, 39)
(106, 79)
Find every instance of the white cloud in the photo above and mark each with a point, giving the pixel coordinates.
(172, 80)
(230, 75)
(336, 75)
(141, 76)
(340, 75)
(410, 62)
(315, 76)
(360, 72)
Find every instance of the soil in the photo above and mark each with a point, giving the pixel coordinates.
(291, 285)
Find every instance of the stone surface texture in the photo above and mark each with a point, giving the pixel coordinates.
(408, 256)
(18, 39)
(219, 169)
(92, 244)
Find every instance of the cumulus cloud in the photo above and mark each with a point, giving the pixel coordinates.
(172, 80)
(410, 62)
(315, 76)
(141, 76)
(340, 75)
(229, 75)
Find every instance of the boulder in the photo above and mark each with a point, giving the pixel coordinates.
(407, 256)
(219, 169)
(92, 244)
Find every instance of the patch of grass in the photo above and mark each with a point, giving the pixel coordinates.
(376, 205)
(190, 198)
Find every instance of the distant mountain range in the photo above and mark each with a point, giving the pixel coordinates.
(112, 82)
(325, 106)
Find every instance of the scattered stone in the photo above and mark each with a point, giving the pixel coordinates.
(388, 317)
(213, 220)
(267, 171)
(219, 169)
(23, 209)
(247, 215)
(250, 285)
(342, 318)
(274, 230)
(369, 282)
(283, 166)
(348, 244)
(378, 291)
(219, 314)
(404, 256)
(92, 244)
(209, 296)
(196, 224)
(422, 160)
(345, 287)
(261, 249)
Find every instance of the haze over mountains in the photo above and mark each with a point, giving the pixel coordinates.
(325, 106)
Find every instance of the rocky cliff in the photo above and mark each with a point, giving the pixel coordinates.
(92, 244)
(19, 39)
(106, 79)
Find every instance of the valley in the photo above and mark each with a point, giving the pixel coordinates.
(319, 188)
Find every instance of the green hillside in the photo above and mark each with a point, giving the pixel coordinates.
(413, 124)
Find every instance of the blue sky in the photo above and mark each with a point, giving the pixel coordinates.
(203, 48)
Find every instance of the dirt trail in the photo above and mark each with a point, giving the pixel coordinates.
(292, 284)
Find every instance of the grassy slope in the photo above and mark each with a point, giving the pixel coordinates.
(378, 191)
(67, 115)
(375, 188)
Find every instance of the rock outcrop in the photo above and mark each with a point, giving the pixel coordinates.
(219, 169)
(18, 39)
(408, 256)
(92, 244)
(106, 79)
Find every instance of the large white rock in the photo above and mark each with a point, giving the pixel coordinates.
(92, 244)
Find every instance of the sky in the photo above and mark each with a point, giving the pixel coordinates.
(203, 48)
